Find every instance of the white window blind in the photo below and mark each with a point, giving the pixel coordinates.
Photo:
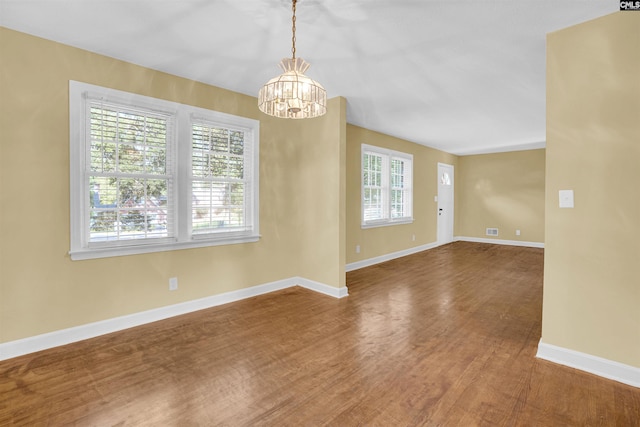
(129, 174)
(221, 179)
(386, 186)
(400, 188)
(373, 194)
(152, 175)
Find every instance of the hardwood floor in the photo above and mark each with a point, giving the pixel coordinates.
(444, 337)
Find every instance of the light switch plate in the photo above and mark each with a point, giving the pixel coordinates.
(566, 198)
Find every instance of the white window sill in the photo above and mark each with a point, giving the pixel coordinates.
(93, 253)
(386, 223)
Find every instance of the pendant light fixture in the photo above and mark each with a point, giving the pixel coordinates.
(293, 95)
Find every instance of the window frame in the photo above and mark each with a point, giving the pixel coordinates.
(179, 168)
(387, 156)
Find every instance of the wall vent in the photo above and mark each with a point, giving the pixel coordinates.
(492, 231)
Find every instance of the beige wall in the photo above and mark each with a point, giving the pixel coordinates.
(381, 241)
(592, 255)
(504, 191)
(302, 180)
(318, 175)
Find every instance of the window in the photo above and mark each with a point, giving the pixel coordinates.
(445, 179)
(219, 183)
(386, 187)
(128, 176)
(151, 175)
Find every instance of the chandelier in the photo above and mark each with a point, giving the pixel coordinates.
(292, 95)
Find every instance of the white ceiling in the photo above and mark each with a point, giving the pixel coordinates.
(464, 76)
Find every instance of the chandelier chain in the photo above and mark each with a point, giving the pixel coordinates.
(293, 30)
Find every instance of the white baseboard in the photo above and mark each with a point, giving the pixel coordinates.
(382, 258)
(322, 288)
(28, 345)
(594, 365)
(499, 241)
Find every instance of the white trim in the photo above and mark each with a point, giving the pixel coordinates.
(28, 345)
(386, 223)
(382, 258)
(499, 241)
(150, 248)
(594, 365)
(322, 288)
(500, 149)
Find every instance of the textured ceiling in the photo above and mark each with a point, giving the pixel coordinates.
(461, 76)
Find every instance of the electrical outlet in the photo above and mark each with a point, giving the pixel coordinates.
(173, 283)
(413, 238)
(357, 249)
(517, 232)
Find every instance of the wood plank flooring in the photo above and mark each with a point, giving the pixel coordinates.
(446, 337)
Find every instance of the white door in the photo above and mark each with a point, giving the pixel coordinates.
(445, 203)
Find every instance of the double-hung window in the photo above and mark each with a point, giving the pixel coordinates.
(220, 185)
(387, 190)
(151, 175)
